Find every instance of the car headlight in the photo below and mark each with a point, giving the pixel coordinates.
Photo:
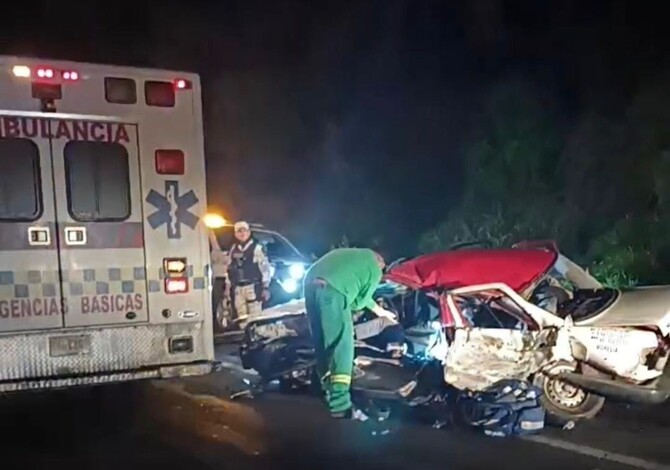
(289, 285)
(296, 271)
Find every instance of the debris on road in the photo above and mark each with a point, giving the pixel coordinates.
(569, 426)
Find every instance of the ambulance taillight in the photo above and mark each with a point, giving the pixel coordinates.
(176, 286)
(176, 275)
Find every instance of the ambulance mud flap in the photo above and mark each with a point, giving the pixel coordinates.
(617, 390)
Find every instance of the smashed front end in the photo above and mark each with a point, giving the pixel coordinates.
(277, 345)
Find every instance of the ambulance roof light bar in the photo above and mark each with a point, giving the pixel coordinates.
(44, 73)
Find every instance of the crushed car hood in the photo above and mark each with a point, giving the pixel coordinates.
(517, 268)
(639, 307)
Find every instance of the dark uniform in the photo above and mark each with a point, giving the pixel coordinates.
(249, 274)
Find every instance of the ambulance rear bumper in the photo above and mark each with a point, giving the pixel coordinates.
(43, 359)
(165, 372)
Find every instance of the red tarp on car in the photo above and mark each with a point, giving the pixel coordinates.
(517, 268)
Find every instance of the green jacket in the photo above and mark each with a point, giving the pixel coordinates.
(354, 272)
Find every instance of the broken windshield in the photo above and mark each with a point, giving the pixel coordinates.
(571, 276)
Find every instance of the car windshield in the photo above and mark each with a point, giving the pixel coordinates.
(275, 246)
(571, 276)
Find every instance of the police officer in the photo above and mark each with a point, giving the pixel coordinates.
(249, 274)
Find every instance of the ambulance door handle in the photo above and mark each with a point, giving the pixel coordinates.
(75, 235)
(39, 236)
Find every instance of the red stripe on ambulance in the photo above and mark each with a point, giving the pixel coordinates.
(29, 128)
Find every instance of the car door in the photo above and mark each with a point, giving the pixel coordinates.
(491, 341)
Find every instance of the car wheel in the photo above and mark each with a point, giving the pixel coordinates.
(564, 402)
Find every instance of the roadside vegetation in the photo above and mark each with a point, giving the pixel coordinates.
(598, 184)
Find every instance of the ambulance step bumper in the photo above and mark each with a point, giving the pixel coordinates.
(164, 372)
(110, 351)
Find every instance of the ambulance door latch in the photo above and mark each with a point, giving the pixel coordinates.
(75, 235)
(39, 236)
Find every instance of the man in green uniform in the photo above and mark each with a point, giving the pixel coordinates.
(337, 285)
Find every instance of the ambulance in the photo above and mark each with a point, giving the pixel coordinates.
(103, 256)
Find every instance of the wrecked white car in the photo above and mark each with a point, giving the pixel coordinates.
(527, 313)
(530, 312)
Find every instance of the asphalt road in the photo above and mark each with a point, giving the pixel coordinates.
(83, 429)
(109, 428)
(621, 437)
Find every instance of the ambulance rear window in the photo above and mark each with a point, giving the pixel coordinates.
(20, 191)
(159, 94)
(98, 185)
(120, 90)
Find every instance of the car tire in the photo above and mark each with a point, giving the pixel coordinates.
(564, 402)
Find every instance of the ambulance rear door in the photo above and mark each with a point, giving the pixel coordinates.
(99, 212)
(30, 295)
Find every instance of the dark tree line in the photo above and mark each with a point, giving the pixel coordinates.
(598, 183)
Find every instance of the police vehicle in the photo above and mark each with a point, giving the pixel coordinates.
(104, 255)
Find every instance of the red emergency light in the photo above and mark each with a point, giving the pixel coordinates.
(45, 72)
(181, 84)
(169, 162)
(70, 75)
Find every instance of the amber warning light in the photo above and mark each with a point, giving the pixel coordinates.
(174, 266)
(212, 220)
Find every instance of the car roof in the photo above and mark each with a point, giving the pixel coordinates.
(518, 268)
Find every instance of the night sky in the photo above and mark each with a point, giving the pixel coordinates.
(326, 118)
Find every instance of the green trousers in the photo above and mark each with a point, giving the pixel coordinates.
(332, 327)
